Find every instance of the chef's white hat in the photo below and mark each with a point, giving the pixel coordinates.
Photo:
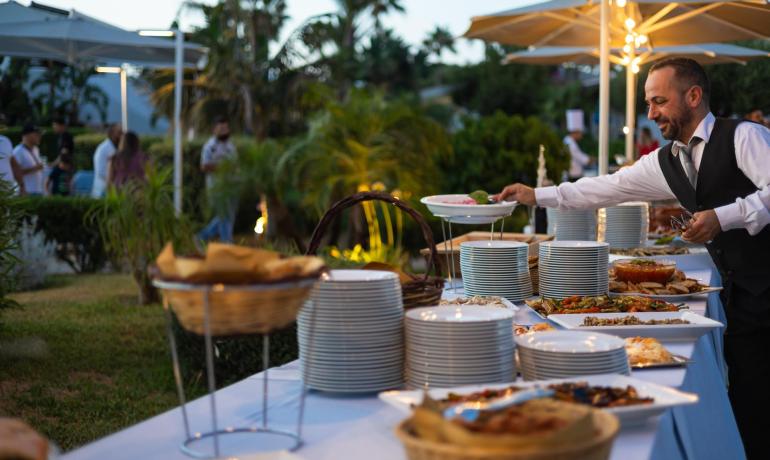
(575, 120)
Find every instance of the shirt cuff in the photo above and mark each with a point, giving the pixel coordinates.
(547, 197)
(729, 216)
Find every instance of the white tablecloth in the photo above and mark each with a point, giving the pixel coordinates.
(361, 427)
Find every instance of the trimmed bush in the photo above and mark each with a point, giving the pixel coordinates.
(62, 219)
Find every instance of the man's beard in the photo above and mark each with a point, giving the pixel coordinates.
(675, 124)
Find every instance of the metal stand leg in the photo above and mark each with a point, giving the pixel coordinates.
(452, 248)
(492, 232)
(502, 226)
(210, 369)
(265, 367)
(177, 371)
(447, 255)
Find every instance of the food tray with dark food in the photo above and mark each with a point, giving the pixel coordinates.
(600, 304)
(630, 278)
(632, 400)
(665, 326)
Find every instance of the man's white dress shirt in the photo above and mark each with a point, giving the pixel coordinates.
(102, 156)
(644, 180)
(26, 158)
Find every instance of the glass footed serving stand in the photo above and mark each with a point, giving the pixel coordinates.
(192, 441)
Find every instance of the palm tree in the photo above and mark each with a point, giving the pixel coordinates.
(438, 40)
(81, 93)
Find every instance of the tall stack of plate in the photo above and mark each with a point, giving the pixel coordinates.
(454, 345)
(569, 268)
(351, 333)
(560, 354)
(498, 268)
(572, 225)
(626, 225)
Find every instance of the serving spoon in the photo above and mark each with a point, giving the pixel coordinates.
(470, 411)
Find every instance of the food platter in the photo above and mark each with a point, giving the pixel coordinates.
(697, 325)
(454, 209)
(599, 304)
(663, 397)
(669, 297)
(449, 298)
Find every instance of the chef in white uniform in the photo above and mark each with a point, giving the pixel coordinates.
(578, 158)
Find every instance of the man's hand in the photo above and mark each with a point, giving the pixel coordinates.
(517, 192)
(704, 227)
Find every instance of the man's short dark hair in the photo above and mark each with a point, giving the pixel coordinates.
(59, 120)
(221, 119)
(687, 71)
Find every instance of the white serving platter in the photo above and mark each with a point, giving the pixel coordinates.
(664, 397)
(698, 326)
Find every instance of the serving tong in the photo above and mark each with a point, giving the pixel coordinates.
(682, 223)
(470, 411)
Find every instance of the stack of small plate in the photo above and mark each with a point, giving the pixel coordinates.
(625, 226)
(455, 345)
(572, 225)
(559, 354)
(498, 268)
(573, 268)
(351, 334)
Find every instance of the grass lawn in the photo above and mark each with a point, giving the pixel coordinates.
(81, 360)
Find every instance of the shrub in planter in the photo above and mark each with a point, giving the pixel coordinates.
(10, 219)
(62, 220)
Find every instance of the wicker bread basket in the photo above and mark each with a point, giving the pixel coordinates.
(422, 290)
(237, 310)
(597, 448)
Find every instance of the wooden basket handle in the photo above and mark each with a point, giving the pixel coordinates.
(341, 205)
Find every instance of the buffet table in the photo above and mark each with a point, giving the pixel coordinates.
(355, 427)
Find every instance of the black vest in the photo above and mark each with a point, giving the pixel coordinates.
(740, 257)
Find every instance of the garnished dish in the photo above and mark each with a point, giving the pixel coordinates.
(520, 329)
(490, 300)
(473, 208)
(591, 321)
(574, 392)
(646, 352)
(650, 251)
(600, 304)
(652, 277)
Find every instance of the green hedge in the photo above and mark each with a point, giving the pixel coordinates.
(47, 140)
(62, 220)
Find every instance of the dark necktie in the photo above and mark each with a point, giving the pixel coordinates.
(689, 167)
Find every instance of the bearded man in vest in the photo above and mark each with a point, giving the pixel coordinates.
(719, 169)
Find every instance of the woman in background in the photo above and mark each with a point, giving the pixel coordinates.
(646, 143)
(128, 164)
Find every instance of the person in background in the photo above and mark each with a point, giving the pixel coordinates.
(129, 163)
(64, 139)
(9, 168)
(579, 159)
(756, 116)
(646, 142)
(719, 170)
(30, 165)
(59, 181)
(102, 156)
(216, 150)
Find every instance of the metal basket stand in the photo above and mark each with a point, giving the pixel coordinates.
(449, 252)
(215, 433)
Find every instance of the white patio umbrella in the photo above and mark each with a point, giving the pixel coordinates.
(705, 53)
(75, 37)
(633, 23)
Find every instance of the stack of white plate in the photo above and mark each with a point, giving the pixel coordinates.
(351, 333)
(559, 354)
(572, 225)
(625, 226)
(498, 268)
(569, 268)
(453, 345)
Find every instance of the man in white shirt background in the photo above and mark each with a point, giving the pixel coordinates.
(578, 158)
(719, 169)
(30, 164)
(102, 156)
(216, 150)
(9, 169)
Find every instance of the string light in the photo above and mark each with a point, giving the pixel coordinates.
(627, 49)
(629, 38)
(621, 3)
(630, 24)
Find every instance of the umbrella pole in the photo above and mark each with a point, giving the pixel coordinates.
(178, 122)
(604, 88)
(123, 99)
(630, 108)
